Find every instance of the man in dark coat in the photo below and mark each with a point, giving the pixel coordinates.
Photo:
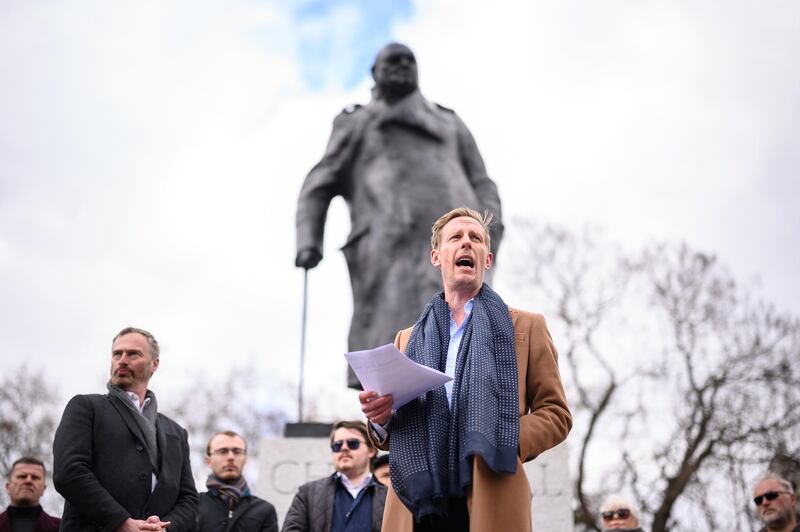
(228, 504)
(398, 162)
(350, 500)
(25, 486)
(121, 465)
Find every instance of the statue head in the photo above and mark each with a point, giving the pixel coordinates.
(395, 71)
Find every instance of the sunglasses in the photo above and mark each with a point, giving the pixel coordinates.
(622, 513)
(770, 496)
(352, 444)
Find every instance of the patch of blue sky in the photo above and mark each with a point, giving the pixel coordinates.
(337, 40)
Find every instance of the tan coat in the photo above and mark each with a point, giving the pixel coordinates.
(498, 501)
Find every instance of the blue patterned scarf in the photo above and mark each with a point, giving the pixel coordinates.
(431, 445)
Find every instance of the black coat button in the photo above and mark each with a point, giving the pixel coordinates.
(139, 448)
(142, 476)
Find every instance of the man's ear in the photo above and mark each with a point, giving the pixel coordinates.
(435, 260)
(489, 260)
(207, 460)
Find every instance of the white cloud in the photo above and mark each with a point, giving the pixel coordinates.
(152, 155)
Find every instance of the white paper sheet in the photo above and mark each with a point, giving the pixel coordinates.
(388, 371)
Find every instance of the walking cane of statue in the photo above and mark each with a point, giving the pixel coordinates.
(302, 347)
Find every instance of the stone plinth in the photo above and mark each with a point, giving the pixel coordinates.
(287, 463)
(550, 483)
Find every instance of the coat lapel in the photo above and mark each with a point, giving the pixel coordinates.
(131, 424)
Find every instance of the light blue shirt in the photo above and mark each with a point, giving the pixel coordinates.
(456, 334)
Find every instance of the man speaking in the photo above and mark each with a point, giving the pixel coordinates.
(457, 451)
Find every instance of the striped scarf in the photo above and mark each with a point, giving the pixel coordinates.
(432, 445)
(230, 493)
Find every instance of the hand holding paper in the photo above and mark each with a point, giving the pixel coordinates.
(388, 371)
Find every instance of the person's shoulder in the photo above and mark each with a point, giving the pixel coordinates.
(83, 399)
(525, 315)
(352, 109)
(441, 107)
(321, 481)
(351, 114)
(171, 422)
(351, 117)
(315, 486)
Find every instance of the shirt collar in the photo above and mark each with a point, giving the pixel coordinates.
(349, 485)
(135, 400)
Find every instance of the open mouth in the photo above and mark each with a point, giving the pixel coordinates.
(465, 262)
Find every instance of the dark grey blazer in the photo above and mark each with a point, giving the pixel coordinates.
(101, 467)
(312, 507)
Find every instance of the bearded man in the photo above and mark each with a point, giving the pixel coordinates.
(120, 464)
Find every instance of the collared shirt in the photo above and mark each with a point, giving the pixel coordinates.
(456, 335)
(138, 404)
(354, 489)
(352, 505)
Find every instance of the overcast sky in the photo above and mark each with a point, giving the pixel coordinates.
(151, 154)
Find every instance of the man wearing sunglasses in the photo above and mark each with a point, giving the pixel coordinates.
(228, 504)
(776, 504)
(619, 514)
(350, 500)
(457, 451)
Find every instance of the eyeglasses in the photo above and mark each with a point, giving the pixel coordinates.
(352, 444)
(223, 451)
(622, 513)
(770, 496)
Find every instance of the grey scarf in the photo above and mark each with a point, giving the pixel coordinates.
(145, 420)
(432, 446)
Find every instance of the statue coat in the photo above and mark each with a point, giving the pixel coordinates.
(399, 167)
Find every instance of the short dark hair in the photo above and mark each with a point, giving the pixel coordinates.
(151, 340)
(229, 433)
(31, 460)
(360, 426)
(380, 461)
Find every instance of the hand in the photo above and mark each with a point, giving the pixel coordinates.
(377, 408)
(307, 258)
(156, 521)
(136, 525)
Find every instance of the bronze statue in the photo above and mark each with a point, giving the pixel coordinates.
(399, 162)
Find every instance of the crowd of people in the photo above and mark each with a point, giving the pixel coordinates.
(456, 453)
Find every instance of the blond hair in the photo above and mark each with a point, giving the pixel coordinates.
(484, 219)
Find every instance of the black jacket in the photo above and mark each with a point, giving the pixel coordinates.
(312, 507)
(252, 515)
(101, 467)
